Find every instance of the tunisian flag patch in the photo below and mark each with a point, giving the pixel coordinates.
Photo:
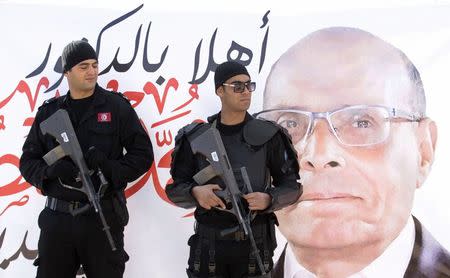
(104, 117)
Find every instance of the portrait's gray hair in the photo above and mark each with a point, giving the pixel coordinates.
(417, 101)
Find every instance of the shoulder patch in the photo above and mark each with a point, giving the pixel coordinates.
(257, 132)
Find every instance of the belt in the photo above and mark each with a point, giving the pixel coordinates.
(74, 207)
(207, 231)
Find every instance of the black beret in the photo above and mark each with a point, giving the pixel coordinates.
(76, 52)
(227, 70)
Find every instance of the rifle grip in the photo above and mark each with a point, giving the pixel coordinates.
(83, 209)
(223, 195)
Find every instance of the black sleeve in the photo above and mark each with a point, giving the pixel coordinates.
(284, 168)
(139, 152)
(183, 168)
(32, 166)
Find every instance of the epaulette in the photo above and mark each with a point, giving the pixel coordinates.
(266, 129)
(188, 130)
(257, 132)
(48, 101)
(121, 95)
(184, 131)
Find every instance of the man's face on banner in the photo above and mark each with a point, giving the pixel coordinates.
(352, 195)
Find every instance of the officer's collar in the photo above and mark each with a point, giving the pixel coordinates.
(99, 97)
(216, 117)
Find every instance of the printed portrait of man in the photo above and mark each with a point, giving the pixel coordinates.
(355, 108)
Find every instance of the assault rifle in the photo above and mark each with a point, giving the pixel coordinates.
(60, 127)
(210, 145)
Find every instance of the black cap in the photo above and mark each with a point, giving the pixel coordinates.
(76, 52)
(227, 70)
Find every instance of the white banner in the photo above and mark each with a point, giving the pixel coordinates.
(163, 62)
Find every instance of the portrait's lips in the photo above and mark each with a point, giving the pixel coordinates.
(321, 196)
(325, 200)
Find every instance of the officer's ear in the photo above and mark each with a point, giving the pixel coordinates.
(220, 91)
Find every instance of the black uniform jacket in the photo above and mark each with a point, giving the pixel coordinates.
(275, 156)
(110, 124)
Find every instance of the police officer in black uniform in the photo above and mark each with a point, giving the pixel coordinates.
(265, 149)
(105, 124)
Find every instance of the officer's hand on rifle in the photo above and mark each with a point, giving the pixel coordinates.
(97, 159)
(63, 169)
(258, 200)
(204, 194)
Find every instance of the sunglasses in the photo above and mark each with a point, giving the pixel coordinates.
(239, 87)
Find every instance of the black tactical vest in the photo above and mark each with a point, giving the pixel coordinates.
(240, 154)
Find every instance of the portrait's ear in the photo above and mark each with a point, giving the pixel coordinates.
(427, 145)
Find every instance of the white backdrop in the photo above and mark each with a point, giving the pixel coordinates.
(32, 40)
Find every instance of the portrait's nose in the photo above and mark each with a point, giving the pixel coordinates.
(321, 150)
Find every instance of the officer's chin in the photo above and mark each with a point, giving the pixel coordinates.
(90, 84)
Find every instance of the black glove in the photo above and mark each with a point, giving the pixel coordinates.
(97, 159)
(63, 169)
